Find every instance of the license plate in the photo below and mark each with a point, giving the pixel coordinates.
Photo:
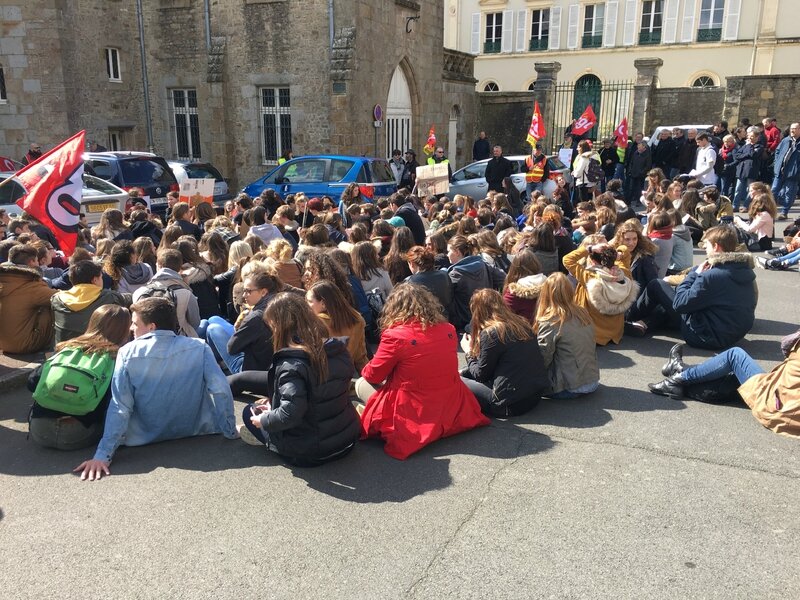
(98, 208)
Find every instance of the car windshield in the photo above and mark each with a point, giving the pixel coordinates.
(202, 171)
(381, 172)
(98, 185)
(10, 192)
(475, 171)
(145, 171)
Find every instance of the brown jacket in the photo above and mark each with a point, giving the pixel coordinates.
(774, 397)
(26, 319)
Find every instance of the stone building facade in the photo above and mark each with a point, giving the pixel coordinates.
(237, 85)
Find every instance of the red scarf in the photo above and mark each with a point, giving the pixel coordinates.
(661, 234)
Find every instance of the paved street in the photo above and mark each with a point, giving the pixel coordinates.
(622, 495)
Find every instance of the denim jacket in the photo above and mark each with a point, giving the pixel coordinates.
(165, 387)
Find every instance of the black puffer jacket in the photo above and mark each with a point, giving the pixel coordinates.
(469, 274)
(254, 338)
(513, 369)
(310, 423)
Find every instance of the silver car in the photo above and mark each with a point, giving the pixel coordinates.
(470, 180)
(97, 196)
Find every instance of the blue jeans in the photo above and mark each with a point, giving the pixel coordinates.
(619, 171)
(218, 332)
(728, 185)
(733, 360)
(740, 196)
(790, 259)
(785, 192)
(534, 186)
(260, 434)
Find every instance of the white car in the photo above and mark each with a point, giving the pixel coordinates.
(652, 141)
(97, 196)
(185, 169)
(470, 180)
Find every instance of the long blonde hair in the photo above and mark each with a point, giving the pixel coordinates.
(489, 312)
(556, 303)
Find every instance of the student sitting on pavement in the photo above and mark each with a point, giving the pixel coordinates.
(773, 397)
(167, 282)
(72, 308)
(714, 306)
(57, 421)
(26, 319)
(309, 419)
(151, 403)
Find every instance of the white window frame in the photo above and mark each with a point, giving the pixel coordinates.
(182, 118)
(282, 108)
(555, 28)
(651, 16)
(597, 29)
(496, 29)
(113, 69)
(543, 23)
(115, 140)
(610, 26)
(715, 6)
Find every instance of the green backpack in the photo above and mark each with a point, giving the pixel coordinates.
(73, 382)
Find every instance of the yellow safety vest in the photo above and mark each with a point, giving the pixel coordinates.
(432, 161)
(535, 169)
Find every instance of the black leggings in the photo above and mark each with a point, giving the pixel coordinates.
(254, 382)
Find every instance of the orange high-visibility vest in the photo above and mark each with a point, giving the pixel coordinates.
(535, 169)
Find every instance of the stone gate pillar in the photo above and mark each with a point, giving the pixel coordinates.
(646, 79)
(544, 91)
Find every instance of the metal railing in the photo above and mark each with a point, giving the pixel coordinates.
(537, 44)
(709, 35)
(610, 101)
(491, 47)
(647, 38)
(592, 41)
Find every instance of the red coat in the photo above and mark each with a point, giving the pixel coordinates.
(424, 398)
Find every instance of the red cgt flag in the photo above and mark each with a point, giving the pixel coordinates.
(621, 133)
(430, 146)
(53, 187)
(586, 121)
(536, 131)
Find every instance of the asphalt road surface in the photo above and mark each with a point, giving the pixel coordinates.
(620, 495)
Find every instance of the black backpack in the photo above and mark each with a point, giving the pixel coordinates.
(594, 171)
(156, 289)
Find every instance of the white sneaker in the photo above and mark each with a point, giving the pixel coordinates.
(761, 261)
(248, 438)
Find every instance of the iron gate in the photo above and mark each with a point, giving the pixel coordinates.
(611, 101)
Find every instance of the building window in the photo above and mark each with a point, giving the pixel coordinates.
(650, 32)
(710, 29)
(115, 140)
(704, 81)
(491, 87)
(540, 29)
(3, 95)
(494, 33)
(531, 86)
(276, 123)
(593, 26)
(187, 124)
(112, 64)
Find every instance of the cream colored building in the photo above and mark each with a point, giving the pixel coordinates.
(702, 42)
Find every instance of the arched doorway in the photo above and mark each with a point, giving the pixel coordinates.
(452, 136)
(588, 90)
(398, 114)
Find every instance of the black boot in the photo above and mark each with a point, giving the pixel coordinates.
(675, 363)
(669, 387)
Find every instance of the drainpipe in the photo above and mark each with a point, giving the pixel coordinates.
(755, 36)
(207, 18)
(145, 83)
(330, 28)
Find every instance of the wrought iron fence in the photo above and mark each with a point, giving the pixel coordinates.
(611, 101)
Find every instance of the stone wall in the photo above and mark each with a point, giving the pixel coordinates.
(53, 54)
(684, 106)
(759, 96)
(505, 117)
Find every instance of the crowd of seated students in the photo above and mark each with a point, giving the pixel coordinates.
(348, 320)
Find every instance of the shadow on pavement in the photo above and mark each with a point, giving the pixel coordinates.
(593, 410)
(370, 476)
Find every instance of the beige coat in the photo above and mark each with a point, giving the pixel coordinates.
(26, 319)
(774, 397)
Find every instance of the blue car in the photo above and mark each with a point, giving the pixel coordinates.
(327, 175)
